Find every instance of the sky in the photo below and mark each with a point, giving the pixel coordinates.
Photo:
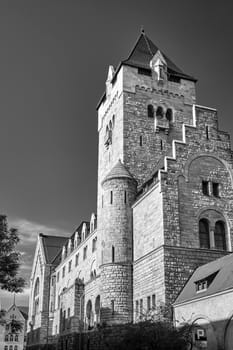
(53, 66)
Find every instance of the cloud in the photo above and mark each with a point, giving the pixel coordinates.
(28, 233)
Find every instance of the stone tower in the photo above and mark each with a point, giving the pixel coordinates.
(182, 164)
(119, 191)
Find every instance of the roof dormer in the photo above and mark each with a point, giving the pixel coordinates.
(93, 222)
(111, 72)
(158, 65)
(76, 239)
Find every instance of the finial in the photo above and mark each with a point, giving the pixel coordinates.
(142, 29)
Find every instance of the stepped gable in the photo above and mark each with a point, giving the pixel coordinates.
(52, 245)
(143, 52)
(118, 171)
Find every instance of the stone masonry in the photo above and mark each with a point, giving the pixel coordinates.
(164, 173)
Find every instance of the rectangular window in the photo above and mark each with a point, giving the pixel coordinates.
(148, 303)
(63, 271)
(111, 197)
(94, 243)
(125, 197)
(144, 71)
(113, 254)
(136, 308)
(68, 316)
(70, 265)
(141, 307)
(112, 306)
(76, 259)
(215, 189)
(85, 252)
(153, 301)
(205, 188)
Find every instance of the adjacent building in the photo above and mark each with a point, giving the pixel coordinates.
(11, 337)
(164, 205)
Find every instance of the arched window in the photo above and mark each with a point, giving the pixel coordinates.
(159, 112)
(89, 314)
(204, 233)
(150, 111)
(169, 114)
(219, 236)
(6, 347)
(36, 296)
(16, 347)
(11, 347)
(16, 337)
(6, 337)
(97, 309)
(11, 338)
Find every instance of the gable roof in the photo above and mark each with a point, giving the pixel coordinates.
(51, 245)
(223, 280)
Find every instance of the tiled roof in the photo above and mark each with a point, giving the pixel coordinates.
(24, 311)
(118, 171)
(222, 281)
(143, 52)
(140, 57)
(52, 244)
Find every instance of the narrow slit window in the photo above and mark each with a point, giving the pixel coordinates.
(102, 201)
(161, 145)
(148, 303)
(113, 254)
(207, 132)
(112, 306)
(153, 301)
(140, 140)
(111, 197)
(125, 197)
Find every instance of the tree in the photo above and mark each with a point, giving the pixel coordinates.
(9, 258)
(9, 266)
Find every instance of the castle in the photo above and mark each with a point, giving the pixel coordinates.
(164, 204)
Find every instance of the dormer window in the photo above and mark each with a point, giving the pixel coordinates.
(203, 284)
(159, 66)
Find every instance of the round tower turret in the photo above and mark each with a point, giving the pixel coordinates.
(119, 190)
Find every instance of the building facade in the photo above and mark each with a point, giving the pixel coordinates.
(163, 205)
(12, 338)
(206, 303)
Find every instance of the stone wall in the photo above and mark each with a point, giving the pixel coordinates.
(179, 264)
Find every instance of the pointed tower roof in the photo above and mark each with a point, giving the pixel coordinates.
(140, 57)
(118, 171)
(142, 53)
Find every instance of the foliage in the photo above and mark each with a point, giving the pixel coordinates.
(9, 258)
(158, 335)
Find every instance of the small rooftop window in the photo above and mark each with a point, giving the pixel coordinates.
(203, 284)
